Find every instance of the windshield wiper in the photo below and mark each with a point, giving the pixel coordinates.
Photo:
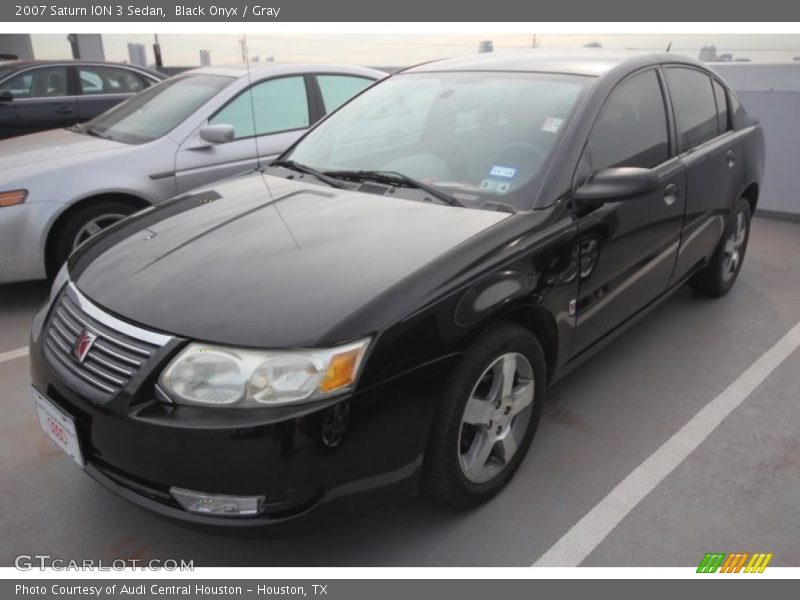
(395, 178)
(306, 170)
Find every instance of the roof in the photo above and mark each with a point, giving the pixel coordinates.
(22, 64)
(589, 62)
(276, 68)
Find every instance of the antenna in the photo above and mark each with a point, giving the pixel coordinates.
(668, 46)
(246, 57)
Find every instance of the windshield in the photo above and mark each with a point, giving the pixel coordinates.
(480, 136)
(157, 110)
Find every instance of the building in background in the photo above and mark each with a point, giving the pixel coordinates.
(137, 54)
(205, 58)
(709, 54)
(87, 46)
(16, 45)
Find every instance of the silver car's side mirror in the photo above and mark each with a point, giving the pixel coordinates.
(217, 134)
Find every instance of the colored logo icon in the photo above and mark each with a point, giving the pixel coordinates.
(737, 562)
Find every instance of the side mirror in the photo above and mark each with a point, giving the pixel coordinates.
(621, 183)
(6, 96)
(217, 134)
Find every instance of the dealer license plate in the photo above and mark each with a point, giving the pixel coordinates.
(59, 426)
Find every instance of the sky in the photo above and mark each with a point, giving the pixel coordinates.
(404, 49)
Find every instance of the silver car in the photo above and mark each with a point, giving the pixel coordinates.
(58, 188)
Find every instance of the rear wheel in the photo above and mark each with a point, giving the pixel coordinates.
(84, 224)
(487, 419)
(718, 277)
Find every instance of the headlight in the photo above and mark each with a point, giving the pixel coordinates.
(221, 376)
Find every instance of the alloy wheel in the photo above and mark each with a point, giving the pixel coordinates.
(94, 226)
(496, 417)
(734, 248)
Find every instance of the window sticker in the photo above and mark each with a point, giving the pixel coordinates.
(552, 124)
(495, 187)
(500, 171)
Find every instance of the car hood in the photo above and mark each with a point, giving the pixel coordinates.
(264, 261)
(50, 148)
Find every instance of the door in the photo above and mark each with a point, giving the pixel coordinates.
(267, 118)
(711, 151)
(36, 99)
(628, 248)
(100, 88)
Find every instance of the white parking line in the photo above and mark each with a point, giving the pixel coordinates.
(12, 354)
(575, 545)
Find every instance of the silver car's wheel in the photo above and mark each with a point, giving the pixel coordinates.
(734, 245)
(78, 225)
(95, 226)
(496, 417)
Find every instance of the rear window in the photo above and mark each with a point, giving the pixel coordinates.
(694, 104)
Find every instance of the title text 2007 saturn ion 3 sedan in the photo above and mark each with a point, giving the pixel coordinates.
(383, 307)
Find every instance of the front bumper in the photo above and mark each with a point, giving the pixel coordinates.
(140, 447)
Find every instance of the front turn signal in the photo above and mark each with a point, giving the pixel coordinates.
(13, 197)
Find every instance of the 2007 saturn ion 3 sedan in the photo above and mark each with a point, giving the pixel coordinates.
(383, 307)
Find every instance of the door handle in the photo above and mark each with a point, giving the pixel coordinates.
(64, 110)
(671, 193)
(731, 155)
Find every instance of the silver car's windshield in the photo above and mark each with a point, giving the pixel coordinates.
(480, 136)
(157, 110)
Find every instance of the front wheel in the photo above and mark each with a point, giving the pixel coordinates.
(85, 223)
(487, 418)
(719, 275)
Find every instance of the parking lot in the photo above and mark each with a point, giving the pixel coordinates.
(737, 491)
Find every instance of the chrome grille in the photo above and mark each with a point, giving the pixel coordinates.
(118, 352)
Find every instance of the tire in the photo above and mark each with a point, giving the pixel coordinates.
(74, 230)
(450, 474)
(718, 276)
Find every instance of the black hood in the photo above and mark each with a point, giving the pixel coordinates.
(264, 261)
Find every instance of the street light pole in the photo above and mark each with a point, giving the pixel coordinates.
(157, 52)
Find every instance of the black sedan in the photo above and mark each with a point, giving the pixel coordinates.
(383, 308)
(40, 95)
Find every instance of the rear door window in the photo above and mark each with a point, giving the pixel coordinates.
(631, 130)
(108, 80)
(338, 89)
(722, 106)
(694, 104)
